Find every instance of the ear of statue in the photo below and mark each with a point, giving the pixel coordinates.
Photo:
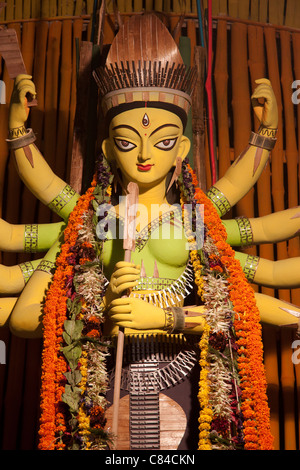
(107, 150)
(184, 147)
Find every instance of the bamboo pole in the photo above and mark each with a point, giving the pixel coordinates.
(198, 125)
(258, 70)
(35, 9)
(51, 97)
(191, 32)
(278, 187)
(276, 12)
(221, 90)
(37, 113)
(291, 150)
(81, 116)
(296, 61)
(263, 11)
(241, 110)
(64, 100)
(9, 10)
(77, 34)
(287, 382)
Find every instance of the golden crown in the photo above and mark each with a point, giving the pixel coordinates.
(144, 65)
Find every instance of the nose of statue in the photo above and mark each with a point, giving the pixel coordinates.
(145, 153)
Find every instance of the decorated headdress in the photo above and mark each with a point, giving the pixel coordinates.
(144, 68)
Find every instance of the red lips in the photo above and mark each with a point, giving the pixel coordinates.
(144, 167)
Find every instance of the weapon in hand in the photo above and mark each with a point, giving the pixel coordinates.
(11, 53)
(129, 246)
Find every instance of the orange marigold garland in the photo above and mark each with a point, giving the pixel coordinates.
(254, 406)
(72, 333)
(52, 424)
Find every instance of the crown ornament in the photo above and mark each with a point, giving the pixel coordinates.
(144, 68)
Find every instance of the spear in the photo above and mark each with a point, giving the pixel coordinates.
(129, 246)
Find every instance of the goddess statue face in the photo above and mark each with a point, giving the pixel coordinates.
(145, 142)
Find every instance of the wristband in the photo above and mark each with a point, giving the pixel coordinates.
(175, 320)
(265, 139)
(23, 141)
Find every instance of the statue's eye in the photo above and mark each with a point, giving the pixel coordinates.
(124, 145)
(166, 144)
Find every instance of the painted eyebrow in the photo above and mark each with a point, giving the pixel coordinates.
(126, 127)
(161, 127)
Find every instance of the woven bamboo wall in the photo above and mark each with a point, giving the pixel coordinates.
(48, 32)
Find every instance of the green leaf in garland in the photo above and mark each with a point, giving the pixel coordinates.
(73, 377)
(72, 353)
(71, 397)
(73, 329)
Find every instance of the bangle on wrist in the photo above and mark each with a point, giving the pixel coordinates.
(174, 320)
(22, 141)
(265, 138)
(267, 131)
(16, 132)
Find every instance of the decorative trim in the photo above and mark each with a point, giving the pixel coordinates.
(245, 230)
(17, 132)
(219, 200)
(259, 140)
(251, 266)
(169, 320)
(27, 269)
(46, 266)
(62, 199)
(267, 131)
(172, 295)
(151, 348)
(23, 141)
(31, 238)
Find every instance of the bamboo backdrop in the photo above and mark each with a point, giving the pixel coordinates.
(48, 34)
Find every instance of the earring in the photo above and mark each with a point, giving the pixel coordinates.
(176, 173)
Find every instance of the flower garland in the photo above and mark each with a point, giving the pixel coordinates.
(74, 378)
(247, 330)
(206, 412)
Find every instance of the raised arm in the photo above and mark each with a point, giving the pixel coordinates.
(31, 166)
(245, 171)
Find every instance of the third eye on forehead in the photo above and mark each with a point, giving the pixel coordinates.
(126, 126)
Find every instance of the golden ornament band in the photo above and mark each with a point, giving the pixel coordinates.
(27, 269)
(245, 230)
(20, 142)
(31, 238)
(62, 199)
(259, 140)
(175, 320)
(250, 267)
(268, 132)
(46, 266)
(219, 200)
(17, 132)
